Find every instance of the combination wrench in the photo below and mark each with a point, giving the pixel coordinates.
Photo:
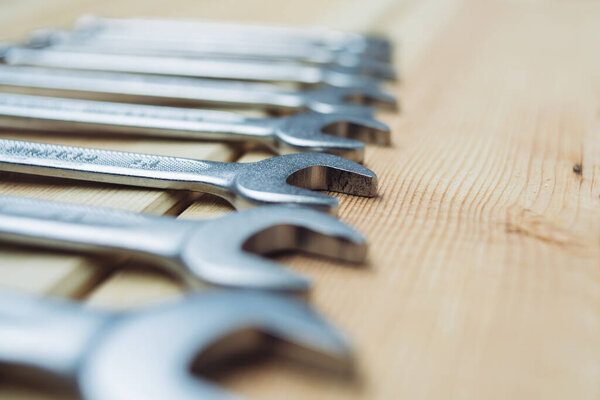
(314, 39)
(245, 70)
(159, 352)
(284, 135)
(190, 47)
(181, 91)
(277, 180)
(224, 251)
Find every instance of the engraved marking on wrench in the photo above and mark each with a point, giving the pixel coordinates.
(23, 151)
(145, 164)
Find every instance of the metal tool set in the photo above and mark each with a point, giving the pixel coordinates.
(318, 91)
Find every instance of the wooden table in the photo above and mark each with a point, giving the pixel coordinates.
(484, 276)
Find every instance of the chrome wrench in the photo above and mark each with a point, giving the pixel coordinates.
(149, 354)
(224, 251)
(218, 48)
(177, 91)
(284, 135)
(277, 180)
(368, 46)
(245, 70)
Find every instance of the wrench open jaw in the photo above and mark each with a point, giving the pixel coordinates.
(283, 179)
(225, 251)
(342, 135)
(148, 354)
(290, 134)
(242, 237)
(292, 179)
(350, 101)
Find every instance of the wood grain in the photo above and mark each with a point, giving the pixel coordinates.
(483, 276)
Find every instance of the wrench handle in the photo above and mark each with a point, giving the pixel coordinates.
(45, 336)
(58, 114)
(124, 168)
(89, 229)
(212, 46)
(139, 88)
(199, 68)
(311, 36)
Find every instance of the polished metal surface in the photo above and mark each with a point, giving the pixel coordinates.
(278, 180)
(220, 47)
(225, 251)
(309, 132)
(165, 90)
(147, 354)
(367, 46)
(249, 70)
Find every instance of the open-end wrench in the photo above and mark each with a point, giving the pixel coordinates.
(152, 354)
(122, 43)
(367, 46)
(284, 135)
(277, 180)
(181, 91)
(222, 252)
(248, 70)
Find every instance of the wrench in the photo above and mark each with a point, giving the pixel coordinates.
(284, 135)
(223, 251)
(248, 70)
(165, 90)
(122, 43)
(368, 46)
(277, 180)
(149, 354)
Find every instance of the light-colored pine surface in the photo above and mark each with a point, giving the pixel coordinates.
(483, 278)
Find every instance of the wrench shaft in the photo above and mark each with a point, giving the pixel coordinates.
(45, 337)
(149, 88)
(313, 38)
(88, 229)
(200, 68)
(117, 167)
(213, 49)
(58, 114)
